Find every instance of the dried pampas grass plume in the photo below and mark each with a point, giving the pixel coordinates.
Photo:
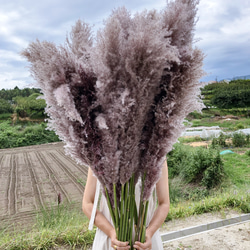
(118, 103)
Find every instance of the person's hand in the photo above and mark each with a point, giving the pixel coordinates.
(147, 245)
(116, 244)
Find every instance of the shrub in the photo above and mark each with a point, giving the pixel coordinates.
(5, 107)
(220, 141)
(240, 139)
(214, 173)
(175, 190)
(17, 136)
(239, 126)
(196, 165)
(177, 158)
(247, 153)
(233, 94)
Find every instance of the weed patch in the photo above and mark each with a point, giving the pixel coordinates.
(62, 225)
(25, 135)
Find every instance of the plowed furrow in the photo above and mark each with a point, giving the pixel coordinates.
(12, 187)
(46, 187)
(73, 178)
(81, 168)
(37, 194)
(1, 162)
(52, 175)
(25, 196)
(5, 175)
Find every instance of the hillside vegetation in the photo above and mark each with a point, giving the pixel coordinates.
(226, 95)
(22, 119)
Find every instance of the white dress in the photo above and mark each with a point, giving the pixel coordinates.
(101, 240)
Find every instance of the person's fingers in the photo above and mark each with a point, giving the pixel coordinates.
(121, 248)
(142, 246)
(119, 245)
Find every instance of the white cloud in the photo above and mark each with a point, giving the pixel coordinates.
(223, 27)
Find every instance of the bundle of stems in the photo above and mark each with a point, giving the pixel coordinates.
(129, 224)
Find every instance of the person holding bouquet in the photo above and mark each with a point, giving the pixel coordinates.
(105, 238)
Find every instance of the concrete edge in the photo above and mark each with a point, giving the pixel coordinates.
(171, 236)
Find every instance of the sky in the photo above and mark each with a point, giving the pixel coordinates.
(222, 32)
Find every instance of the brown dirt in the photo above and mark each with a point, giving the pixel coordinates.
(31, 178)
(199, 143)
(222, 118)
(15, 118)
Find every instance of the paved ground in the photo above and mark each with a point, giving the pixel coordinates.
(235, 237)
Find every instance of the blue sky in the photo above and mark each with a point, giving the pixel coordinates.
(223, 30)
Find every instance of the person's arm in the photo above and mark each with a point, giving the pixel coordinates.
(100, 220)
(160, 213)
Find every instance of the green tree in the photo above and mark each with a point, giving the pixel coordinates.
(9, 94)
(5, 107)
(235, 94)
(30, 106)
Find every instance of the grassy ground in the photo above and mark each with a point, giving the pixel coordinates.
(214, 117)
(65, 226)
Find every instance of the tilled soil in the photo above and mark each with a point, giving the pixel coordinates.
(32, 177)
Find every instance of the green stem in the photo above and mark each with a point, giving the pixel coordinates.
(144, 223)
(116, 210)
(131, 220)
(141, 209)
(125, 212)
(143, 234)
(121, 213)
(127, 219)
(110, 208)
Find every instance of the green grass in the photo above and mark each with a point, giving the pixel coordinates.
(237, 168)
(233, 192)
(237, 200)
(62, 225)
(230, 125)
(191, 139)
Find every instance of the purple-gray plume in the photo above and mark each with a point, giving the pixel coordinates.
(118, 100)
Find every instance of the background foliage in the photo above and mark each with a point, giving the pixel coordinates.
(235, 94)
(196, 165)
(25, 134)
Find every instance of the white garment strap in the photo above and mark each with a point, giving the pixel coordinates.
(97, 193)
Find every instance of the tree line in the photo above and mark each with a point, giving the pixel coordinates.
(225, 95)
(23, 102)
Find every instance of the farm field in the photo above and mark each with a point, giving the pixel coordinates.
(31, 178)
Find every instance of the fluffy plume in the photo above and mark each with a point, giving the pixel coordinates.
(119, 103)
(180, 90)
